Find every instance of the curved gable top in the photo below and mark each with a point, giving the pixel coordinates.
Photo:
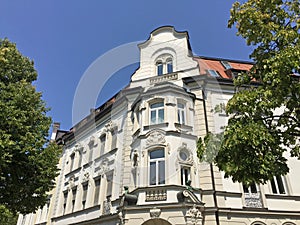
(163, 34)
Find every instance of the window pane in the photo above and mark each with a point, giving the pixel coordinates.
(152, 173)
(157, 154)
(253, 188)
(160, 116)
(182, 117)
(280, 185)
(84, 189)
(170, 67)
(157, 105)
(161, 172)
(97, 191)
(274, 190)
(159, 69)
(153, 117)
(180, 105)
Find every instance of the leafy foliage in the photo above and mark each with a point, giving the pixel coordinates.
(27, 159)
(265, 120)
(6, 217)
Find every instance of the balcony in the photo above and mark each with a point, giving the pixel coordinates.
(163, 78)
(253, 200)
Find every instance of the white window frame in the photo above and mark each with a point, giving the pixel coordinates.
(157, 120)
(181, 113)
(156, 162)
(277, 186)
(183, 176)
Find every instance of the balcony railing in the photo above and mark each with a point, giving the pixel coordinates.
(158, 194)
(162, 78)
(253, 200)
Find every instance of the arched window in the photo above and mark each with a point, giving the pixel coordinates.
(157, 112)
(169, 65)
(164, 64)
(157, 167)
(159, 68)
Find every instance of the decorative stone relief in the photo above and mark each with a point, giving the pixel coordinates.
(110, 126)
(85, 177)
(155, 137)
(71, 182)
(155, 212)
(103, 166)
(92, 143)
(193, 216)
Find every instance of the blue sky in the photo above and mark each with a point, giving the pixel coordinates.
(65, 37)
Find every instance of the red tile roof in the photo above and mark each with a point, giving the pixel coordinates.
(206, 64)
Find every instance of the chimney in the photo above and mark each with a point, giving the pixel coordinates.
(55, 128)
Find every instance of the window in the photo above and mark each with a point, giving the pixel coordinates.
(102, 144)
(185, 175)
(97, 191)
(181, 113)
(213, 73)
(65, 202)
(159, 68)
(157, 167)
(226, 65)
(164, 65)
(113, 139)
(84, 194)
(80, 159)
(91, 154)
(169, 66)
(74, 191)
(72, 161)
(157, 113)
(109, 184)
(277, 185)
(250, 189)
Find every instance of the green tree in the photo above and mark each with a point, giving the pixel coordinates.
(28, 161)
(264, 121)
(6, 217)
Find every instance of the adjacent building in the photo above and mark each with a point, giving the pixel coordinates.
(133, 160)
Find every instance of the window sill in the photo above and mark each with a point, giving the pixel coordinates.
(153, 126)
(183, 127)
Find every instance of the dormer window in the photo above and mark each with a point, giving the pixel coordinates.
(164, 65)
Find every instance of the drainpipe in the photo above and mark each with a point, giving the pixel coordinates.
(211, 165)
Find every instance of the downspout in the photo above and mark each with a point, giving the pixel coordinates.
(211, 165)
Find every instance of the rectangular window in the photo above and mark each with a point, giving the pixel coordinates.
(159, 67)
(72, 158)
(84, 194)
(74, 191)
(277, 185)
(109, 184)
(185, 175)
(170, 67)
(65, 202)
(181, 113)
(250, 189)
(102, 144)
(97, 191)
(113, 139)
(80, 159)
(157, 113)
(91, 154)
(157, 167)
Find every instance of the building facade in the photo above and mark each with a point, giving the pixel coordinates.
(133, 160)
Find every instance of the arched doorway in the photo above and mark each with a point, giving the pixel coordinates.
(156, 221)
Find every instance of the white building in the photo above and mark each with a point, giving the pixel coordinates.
(129, 160)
